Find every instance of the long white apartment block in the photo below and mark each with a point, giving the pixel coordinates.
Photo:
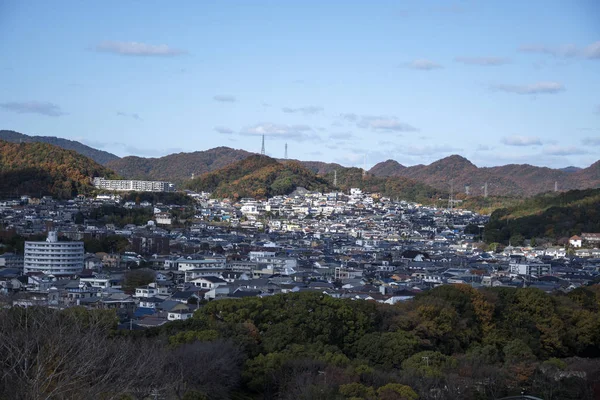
(133, 185)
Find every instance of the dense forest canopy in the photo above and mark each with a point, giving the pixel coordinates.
(448, 343)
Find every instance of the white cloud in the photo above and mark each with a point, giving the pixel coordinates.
(129, 115)
(223, 130)
(563, 150)
(590, 52)
(382, 123)
(308, 110)
(591, 141)
(281, 131)
(34, 107)
(138, 49)
(484, 61)
(484, 147)
(534, 88)
(423, 65)
(521, 141)
(225, 98)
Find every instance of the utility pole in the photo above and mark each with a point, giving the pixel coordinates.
(335, 177)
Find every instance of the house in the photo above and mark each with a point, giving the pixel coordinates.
(575, 241)
(180, 312)
(208, 282)
(590, 238)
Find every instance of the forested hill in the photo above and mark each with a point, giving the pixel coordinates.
(550, 215)
(39, 169)
(177, 167)
(259, 177)
(101, 157)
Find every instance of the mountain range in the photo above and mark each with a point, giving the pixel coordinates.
(455, 172)
(451, 173)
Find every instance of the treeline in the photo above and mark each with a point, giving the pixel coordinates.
(120, 216)
(549, 215)
(177, 198)
(451, 342)
(40, 169)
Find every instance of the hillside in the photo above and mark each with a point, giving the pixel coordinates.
(177, 167)
(259, 177)
(507, 180)
(39, 169)
(395, 187)
(550, 215)
(101, 157)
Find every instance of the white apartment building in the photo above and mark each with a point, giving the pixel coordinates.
(133, 185)
(53, 257)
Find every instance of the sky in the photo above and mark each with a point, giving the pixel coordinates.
(352, 82)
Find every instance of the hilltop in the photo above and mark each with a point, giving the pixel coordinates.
(39, 169)
(101, 157)
(259, 177)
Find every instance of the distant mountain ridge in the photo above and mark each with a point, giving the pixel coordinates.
(100, 156)
(455, 172)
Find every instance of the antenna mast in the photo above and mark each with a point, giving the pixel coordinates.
(285, 151)
(335, 177)
(262, 149)
(485, 190)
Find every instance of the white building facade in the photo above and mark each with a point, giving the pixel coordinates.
(53, 257)
(133, 185)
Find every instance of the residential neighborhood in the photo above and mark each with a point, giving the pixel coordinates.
(352, 245)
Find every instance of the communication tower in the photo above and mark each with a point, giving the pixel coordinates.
(262, 149)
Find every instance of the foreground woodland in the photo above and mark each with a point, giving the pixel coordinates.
(448, 343)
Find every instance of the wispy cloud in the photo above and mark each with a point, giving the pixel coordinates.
(484, 147)
(383, 123)
(591, 141)
(223, 130)
(558, 150)
(534, 88)
(591, 52)
(138, 49)
(342, 136)
(224, 98)
(521, 141)
(423, 65)
(349, 117)
(33, 107)
(281, 131)
(129, 115)
(483, 61)
(308, 110)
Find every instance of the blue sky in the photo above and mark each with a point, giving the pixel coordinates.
(495, 81)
